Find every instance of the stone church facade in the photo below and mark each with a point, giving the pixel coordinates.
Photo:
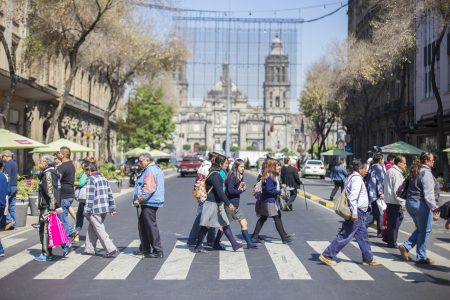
(264, 127)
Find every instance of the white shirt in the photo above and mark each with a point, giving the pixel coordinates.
(204, 168)
(392, 182)
(357, 193)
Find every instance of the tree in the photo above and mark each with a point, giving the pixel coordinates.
(149, 122)
(203, 148)
(124, 54)
(186, 147)
(251, 148)
(285, 150)
(61, 28)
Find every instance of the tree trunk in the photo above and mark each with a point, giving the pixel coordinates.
(443, 158)
(4, 112)
(103, 140)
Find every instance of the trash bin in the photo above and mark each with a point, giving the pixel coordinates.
(34, 198)
(21, 212)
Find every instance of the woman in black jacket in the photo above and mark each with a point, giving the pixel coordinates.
(235, 186)
(290, 179)
(213, 212)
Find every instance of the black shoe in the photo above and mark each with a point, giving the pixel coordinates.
(200, 250)
(290, 236)
(87, 253)
(219, 246)
(258, 241)
(252, 246)
(287, 240)
(238, 246)
(111, 254)
(138, 252)
(155, 255)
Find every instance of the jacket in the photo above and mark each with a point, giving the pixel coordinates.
(215, 184)
(99, 197)
(150, 185)
(203, 171)
(5, 189)
(357, 193)
(392, 182)
(49, 189)
(270, 190)
(289, 177)
(375, 183)
(339, 173)
(232, 189)
(425, 187)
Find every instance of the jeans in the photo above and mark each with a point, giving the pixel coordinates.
(11, 216)
(193, 234)
(80, 216)
(349, 230)
(2, 210)
(64, 216)
(422, 217)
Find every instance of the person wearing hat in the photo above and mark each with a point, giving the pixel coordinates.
(10, 169)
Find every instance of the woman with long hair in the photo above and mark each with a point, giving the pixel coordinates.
(423, 194)
(271, 189)
(213, 212)
(235, 186)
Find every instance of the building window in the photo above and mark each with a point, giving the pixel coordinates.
(277, 101)
(283, 71)
(284, 104)
(271, 95)
(284, 95)
(270, 104)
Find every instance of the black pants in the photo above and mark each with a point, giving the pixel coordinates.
(43, 231)
(292, 197)
(149, 230)
(337, 185)
(278, 225)
(394, 220)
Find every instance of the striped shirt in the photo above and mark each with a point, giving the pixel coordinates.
(99, 197)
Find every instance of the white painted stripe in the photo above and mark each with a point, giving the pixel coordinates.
(438, 260)
(65, 266)
(400, 268)
(177, 265)
(11, 242)
(233, 265)
(11, 264)
(122, 265)
(445, 246)
(288, 265)
(345, 268)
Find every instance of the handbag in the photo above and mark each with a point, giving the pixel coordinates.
(342, 205)
(56, 234)
(81, 194)
(445, 210)
(199, 191)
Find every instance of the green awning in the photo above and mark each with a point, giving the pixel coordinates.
(446, 150)
(11, 140)
(135, 152)
(336, 152)
(401, 148)
(56, 145)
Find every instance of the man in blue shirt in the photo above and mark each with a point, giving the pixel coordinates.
(10, 169)
(4, 191)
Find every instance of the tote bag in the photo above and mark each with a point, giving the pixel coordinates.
(56, 234)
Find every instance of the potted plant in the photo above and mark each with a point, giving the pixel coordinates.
(22, 202)
(33, 195)
(114, 177)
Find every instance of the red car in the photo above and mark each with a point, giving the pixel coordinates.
(190, 165)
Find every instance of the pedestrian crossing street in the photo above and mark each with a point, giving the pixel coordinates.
(232, 265)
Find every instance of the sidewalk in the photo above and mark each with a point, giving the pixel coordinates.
(35, 219)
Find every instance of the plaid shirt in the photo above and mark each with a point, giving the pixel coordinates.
(99, 198)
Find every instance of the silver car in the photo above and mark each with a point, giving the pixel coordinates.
(313, 167)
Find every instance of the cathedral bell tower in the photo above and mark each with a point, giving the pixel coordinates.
(276, 86)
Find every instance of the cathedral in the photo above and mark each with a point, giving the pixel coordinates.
(266, 127)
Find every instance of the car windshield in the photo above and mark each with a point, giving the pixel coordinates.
(190, 159)
(314, 162)
(132, 161)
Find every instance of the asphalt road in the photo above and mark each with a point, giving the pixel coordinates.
(273, 271)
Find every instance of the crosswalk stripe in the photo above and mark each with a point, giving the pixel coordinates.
(17, 261)
(177, 265)
(122, 265)
(345, 268)
(64, 267)
(233, 265)
(438, 260)
(288, 266)
(399, 268)
(445, 246)
(11, 242)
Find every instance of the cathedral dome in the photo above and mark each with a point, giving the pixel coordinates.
(218, 87)
(277, 48)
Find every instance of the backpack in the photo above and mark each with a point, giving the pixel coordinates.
(199, 191)
(257, 190)
(342, 205)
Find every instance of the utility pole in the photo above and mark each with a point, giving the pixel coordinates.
(227, 138)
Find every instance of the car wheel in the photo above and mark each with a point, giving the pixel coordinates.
(322, 177)
(182, 174)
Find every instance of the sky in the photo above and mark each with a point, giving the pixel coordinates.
(316, 36)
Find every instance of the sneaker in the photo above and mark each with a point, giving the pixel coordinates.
(210, 244)
(74, 235)
(426, 261)
(10, 225)
(219, 246)
(327, 260)
(43, 257)
(403, 252)
(87, 253)
(238, 246)
(373, 262)
(200, 250)
(111, 254)
(66, 249)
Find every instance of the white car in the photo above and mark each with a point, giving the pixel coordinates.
(313, 167)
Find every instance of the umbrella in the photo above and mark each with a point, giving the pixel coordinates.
(135, 152)
(11, 140)
(56, 145)
(159, 153)
(446, 150)
(401, 148)
(336, 152)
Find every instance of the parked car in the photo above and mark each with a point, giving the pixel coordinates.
(313, 167)
(189, 165)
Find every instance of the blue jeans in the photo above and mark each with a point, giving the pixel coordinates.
(64, 216)
(11, 216)
(349, 230)
(422, 217)
(2, 210)
(193, 234)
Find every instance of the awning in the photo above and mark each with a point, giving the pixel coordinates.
(401, 147)
(11, 140)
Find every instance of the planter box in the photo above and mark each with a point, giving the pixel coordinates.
(21, 212)
(125, 182)
(33, 198)
(115, 187)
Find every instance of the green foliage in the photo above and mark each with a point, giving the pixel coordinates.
(203, 148)
(331, 147)
(109, 171)
(285, 150)
(251, 148)
(149, 121)
(26, 186)
(234, 148)
(186, 147)
(269, 149)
